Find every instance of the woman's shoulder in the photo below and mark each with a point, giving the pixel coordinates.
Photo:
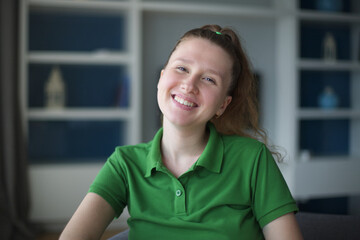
(242, 142)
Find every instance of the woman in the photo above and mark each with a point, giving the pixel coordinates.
(204, 175)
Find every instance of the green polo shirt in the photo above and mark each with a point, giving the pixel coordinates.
(232, 191)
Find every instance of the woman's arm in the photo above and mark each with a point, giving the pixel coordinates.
(90, 219)
(284, 227)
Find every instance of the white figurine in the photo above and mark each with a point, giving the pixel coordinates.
(55, 90)
(329, 47)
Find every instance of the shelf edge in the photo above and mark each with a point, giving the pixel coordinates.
(314, 113)
(213, 9)
(78, 114)
(318, 64)
(82, 5)
(47, 57)
(313, 15)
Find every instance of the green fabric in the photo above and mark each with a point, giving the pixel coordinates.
(232, 191)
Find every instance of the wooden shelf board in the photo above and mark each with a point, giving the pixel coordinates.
(312, 15)
(316, 113)
(210, 9)
(324, 177)
(79, 114)
(101, 58)
(318, 64)
(72, 5)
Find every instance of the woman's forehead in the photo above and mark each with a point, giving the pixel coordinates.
(195, 49)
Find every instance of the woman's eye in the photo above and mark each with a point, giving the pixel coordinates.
(182, 69)
(209, 80)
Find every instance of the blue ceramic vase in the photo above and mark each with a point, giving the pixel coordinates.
(329, 5)
(328, 99)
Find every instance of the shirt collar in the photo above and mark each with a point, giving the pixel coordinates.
(153, 159)
(211, 158)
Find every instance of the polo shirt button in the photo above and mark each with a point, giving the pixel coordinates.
(178, 193)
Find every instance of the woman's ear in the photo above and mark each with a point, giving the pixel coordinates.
(161, 74)
(224, 105)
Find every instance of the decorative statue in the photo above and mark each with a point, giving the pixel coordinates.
(55, 90)
(329, 47)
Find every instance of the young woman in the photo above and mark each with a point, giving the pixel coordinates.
(205, 175)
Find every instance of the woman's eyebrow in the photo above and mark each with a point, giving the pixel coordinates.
(188, 61)
(183, 60)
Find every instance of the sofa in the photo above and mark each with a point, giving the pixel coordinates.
(314, 226)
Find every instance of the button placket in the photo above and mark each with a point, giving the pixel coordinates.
(180, 207)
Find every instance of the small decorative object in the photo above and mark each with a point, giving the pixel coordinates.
(305, 155)
(329, 5)
(328, 99)
(55, 90)
(329, 45)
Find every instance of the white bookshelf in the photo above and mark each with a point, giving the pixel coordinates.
(328, 175)
(57, 189)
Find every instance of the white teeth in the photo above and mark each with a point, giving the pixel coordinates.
(183, 102)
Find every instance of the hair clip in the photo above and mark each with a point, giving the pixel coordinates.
(219, 33)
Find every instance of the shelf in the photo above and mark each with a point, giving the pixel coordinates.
(79, 114)
(314, 113)
(81, 5)
(210, 9)
(58, 176)
(98, 58)
(325, 177)
(318, 64)
(329, 160)
(309, 15)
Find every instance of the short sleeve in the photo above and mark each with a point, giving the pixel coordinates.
(111, 184)
(271, 197)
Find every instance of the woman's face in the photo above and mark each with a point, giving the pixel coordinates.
(193, 86)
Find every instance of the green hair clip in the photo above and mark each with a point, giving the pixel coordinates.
(219, 33)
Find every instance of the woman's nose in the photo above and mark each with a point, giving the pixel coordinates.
(189, 84)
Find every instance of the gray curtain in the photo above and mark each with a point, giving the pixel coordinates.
(14, 191)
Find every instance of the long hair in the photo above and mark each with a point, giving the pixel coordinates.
(241, 116)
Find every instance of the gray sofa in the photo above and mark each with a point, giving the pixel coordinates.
(314, 226)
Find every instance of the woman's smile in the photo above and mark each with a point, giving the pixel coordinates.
(184, 102)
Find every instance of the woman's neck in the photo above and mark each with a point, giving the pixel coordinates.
(182, 146)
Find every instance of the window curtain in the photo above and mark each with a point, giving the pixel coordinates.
(14, 191)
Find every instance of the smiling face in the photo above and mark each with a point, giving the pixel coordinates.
(194, 84)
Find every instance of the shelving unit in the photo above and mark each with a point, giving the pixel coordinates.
(332, 169)
(68, 146)
(149, 32)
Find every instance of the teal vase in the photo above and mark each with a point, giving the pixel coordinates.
(328, 99)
